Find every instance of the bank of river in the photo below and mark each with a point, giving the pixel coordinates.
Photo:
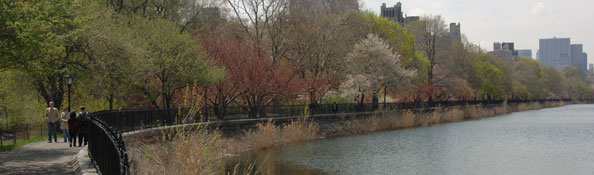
(548, 141)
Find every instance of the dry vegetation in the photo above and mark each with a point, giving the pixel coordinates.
(198, 151)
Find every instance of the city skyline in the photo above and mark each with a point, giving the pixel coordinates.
(522, 22)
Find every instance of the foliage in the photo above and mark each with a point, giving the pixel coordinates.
(372, 63)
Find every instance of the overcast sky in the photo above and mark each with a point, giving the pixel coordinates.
(523, 22)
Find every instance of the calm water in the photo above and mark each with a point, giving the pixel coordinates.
(548, 141)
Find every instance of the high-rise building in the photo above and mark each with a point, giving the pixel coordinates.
(577, 57)
(455, 32)
(393, 13)
(505, 51)
(525, 53)
(555, 52)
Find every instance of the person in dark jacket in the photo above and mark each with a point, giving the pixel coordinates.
(84, 119)
(73, 125)
(334, 108)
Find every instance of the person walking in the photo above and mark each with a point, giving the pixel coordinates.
(52, 117)
(64, 124)
(83, 118)
(73, 125)
(334, 108)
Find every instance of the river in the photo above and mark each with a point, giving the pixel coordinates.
(548, 141)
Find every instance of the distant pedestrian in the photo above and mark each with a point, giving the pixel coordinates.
(375, 102)
(73, 125)
(83, 118)
(52, 116)
(64, 124)
(312, 108)
(335, 108)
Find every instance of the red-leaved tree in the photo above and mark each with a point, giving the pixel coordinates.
(251, 80)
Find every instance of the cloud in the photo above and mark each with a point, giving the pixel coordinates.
(540, 9)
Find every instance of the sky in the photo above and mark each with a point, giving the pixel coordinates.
(523, 22)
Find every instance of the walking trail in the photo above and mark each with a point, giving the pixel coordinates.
(38, 158)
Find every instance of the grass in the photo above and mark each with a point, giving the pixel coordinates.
(8, 145)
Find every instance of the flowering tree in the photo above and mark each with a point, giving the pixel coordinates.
(372, 65)
(251, 79)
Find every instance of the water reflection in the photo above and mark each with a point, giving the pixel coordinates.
(266, 162)
(548, 141)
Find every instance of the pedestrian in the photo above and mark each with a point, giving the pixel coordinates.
(64, 124)
(73, 125)
(334, 108)
(83, 118)
(375, 102)
(312, 108)
(52, 116)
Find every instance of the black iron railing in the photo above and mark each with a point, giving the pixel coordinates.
(107, 147)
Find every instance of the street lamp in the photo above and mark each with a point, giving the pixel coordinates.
(69, 80)
(205, 102)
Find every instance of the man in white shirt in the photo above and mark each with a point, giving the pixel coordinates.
(52, 117)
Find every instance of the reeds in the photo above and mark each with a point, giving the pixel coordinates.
(268, 134)
(184, 151)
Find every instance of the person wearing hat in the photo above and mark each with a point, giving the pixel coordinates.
(83, 129)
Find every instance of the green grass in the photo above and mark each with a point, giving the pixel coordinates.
(8, 145)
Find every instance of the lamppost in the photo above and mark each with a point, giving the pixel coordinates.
(385, 92)
(205, 102)
(69, 80)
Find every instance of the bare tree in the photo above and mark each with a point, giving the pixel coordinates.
(430, 33)
(263, 23)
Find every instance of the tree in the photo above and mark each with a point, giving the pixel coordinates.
(577, 87)
(251, 81)
(430, 34)
(373, 64)
(554, 82)
(262, 22)
(167, 61)
(527, 76)
(189, 15)
(230, 54)
(111, 52)
(491, 80)
(401, 40)
(42, 40)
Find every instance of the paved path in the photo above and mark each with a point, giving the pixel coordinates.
(38, 158)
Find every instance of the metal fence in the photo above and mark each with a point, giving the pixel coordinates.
(132, 120)
(108, 149)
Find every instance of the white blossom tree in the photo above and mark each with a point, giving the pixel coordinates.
(372, 65)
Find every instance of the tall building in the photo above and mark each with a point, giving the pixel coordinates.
(591, 69)
(393, 13)
(555, 52)
(455, 33)
(505, 51)
(578, 57)
(525, 53)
